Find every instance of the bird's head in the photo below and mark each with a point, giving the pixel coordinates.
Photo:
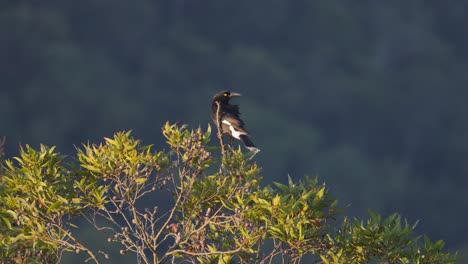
(224, 96)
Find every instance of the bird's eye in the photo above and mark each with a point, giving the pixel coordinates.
(225, 94)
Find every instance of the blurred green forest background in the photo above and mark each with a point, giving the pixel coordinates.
(370, 96)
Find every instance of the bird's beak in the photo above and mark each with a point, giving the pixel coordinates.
(234, 94)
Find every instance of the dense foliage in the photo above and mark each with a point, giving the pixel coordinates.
(378, 87)
(219, 211)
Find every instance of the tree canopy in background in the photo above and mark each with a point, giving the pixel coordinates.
(370, 96)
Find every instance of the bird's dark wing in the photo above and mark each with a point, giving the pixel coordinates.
(232, 109)
(231, 114)
(232, 120)
(230, 123)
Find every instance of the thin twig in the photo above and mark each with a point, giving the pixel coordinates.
(183, 251)
(272, 254)
(220, 129)
(76, 245)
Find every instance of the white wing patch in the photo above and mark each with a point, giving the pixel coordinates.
(236, 134)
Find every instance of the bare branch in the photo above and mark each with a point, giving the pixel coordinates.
(220, 129)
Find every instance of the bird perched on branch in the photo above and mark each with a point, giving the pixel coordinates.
(228, 116)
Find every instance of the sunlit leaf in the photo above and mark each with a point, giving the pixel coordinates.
(141, 180)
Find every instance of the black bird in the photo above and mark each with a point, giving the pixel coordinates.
(231, 123)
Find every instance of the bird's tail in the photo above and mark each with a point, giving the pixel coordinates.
(248, 143)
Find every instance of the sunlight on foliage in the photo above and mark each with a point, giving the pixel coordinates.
(215, 211)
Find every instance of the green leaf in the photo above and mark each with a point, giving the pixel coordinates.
(207, 134)
(54, 206)
(290, 182)
(276, 201)
(91, 168)
(225, 259)
(324, 259)
(359, 249)
(141, 180)
(282, 187)
(7, 222)
(211, 248)
(13, 214)
(320, 193)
